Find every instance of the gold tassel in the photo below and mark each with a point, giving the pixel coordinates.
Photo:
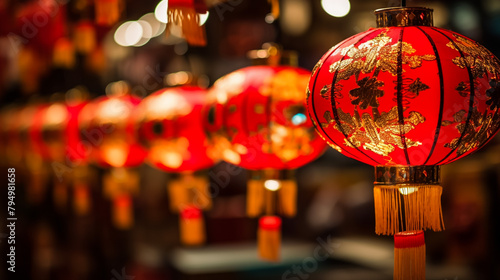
(189, 189)
(107, 12)
(178, 195)
(189, 21)
(409, 255)
(192, 226)
(199, 186)
(84, 37)
(123, 218)
(287, 198)
(64, 54)
(275, 8)
(269, 238)
(407, 208)
(119, 185)
(81, 199)
(60, 194)
(255, 197)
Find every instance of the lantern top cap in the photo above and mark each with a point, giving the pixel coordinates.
(404, 16)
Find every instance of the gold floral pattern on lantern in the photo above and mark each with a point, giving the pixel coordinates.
(376, 54)
(170, 153)
(476, 57)
(285, 85)
(379, 133)
(475, 134)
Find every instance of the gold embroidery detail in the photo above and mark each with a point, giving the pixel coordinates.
(376, 54)
(379, 134)
(477, 57)
(285, 85)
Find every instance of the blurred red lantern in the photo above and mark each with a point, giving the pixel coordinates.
(169, 124)
(41, 23)
(256, 119)
(406, 97)
(107, 123)
(55, 136)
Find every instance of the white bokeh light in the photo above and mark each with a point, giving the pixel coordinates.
(128, 34)
(161, 11)
(272, 185)
(336, 8)
(203, 18)
(157, 27)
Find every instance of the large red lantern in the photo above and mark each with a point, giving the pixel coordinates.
(257, 120)
(169, 123)
(107, 123)
(406, 97)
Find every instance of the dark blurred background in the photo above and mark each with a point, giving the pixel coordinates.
(335, 193)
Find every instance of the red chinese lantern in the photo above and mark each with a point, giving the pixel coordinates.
(107, 123)
(256, 120)
(406, 97)
(55, 136)
(169, 124)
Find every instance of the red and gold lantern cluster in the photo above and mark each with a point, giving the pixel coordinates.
(406, 97)
(256, 120)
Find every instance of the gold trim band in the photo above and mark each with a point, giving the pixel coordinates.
(397, 175)
(404, 16)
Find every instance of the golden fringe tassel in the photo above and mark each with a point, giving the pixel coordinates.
(123, 218)
(275, 8)
(255, 197)
(189, 21)
(119, 185)
(287, 198)
(189, 190)
(60, 194)
(192, 227)
(269, 238)
(407, 208)
(409, 256)
(107, 12)
(81, 199)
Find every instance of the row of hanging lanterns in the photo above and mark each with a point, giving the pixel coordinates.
(254, 118)
(405, 97)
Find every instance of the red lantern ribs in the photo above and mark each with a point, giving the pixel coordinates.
(406, 97)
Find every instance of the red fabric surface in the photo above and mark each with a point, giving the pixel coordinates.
(409, 239)
(270, 223)
(102, 134)
(179, 125)
(437, 116)
(247, 112)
